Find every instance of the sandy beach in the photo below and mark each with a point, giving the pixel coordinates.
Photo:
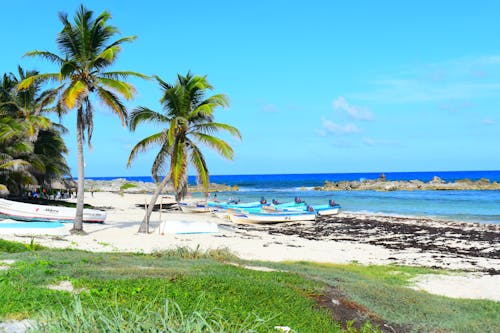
(473, 249)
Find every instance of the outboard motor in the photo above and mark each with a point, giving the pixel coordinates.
(275, 202)
(263, 201)
(332, 203)
(298, 200)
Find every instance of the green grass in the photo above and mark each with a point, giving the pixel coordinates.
(13, 247)
(382, 289)
(127, 186)
(201, 287)
(133, 281)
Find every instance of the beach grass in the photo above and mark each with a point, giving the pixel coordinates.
(383, 290)
(212, 287)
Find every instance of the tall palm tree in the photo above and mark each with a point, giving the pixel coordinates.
(188, 118)
(88, 50)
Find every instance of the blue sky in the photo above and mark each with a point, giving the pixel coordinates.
(314, 86)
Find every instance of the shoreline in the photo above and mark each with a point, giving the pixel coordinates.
(342, 239)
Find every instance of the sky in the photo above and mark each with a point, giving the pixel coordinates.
(314, 86)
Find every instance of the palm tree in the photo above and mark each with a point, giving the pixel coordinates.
(189, 120)
(87, 51)
(45, 159)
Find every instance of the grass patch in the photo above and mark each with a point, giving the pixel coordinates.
(127, 186)
(198, 282)
(15, 247)
(115, 317)
(202, 288)
(382, 289)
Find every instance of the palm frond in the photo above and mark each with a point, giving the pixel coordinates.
(27, 82)
(123, 75)
(219, 145)
(74, 92)
(199, 163)
(52, 57)
(142, 115)
(212, 127)
(123, 88)
(144, 144)
(114, 103)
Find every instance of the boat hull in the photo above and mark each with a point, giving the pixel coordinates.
(187, 208)
(21, 211)
(270, 218)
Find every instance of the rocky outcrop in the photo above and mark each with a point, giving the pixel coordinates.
(382, 184)
(125, 186)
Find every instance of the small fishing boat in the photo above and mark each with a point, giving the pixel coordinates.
(326, 210)
(235, 204)
(194, 207)
(268, 218)
(42, 213)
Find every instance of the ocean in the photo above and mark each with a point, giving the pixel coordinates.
(469, 206)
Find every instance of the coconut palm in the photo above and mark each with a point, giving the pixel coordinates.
(45, 158)
(88, 50)
(188, 118)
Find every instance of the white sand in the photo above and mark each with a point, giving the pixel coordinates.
(119, 233)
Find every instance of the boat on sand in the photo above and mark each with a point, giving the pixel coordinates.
(269, 218)
(42, 213)
(194, 207)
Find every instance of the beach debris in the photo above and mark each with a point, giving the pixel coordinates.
(285, 329)
(5, 264)
(16, 326)
(66, 286)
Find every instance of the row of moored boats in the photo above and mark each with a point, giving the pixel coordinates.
(262, 211)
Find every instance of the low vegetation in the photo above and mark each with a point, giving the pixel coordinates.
(212, 291)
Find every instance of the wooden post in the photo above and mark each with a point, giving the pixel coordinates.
(147, 218)
(161, 205)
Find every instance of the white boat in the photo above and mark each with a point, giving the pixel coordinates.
(194, 208)
(42, 213)
(268, 218)
(326, 211)
(187, 227)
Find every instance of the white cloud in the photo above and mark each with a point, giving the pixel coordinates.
(488, 122)
(337, 129)
(352, 111)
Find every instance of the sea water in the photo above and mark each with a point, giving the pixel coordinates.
(470, 206)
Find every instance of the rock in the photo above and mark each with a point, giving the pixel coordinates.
(436, 180)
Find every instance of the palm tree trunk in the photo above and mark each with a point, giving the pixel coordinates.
(78, 223)
(145, 222)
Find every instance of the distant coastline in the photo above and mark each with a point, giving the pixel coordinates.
(436, 184)
(263, 182)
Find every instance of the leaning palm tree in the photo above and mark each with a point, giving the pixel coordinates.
(88, 50)
(188, 118)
